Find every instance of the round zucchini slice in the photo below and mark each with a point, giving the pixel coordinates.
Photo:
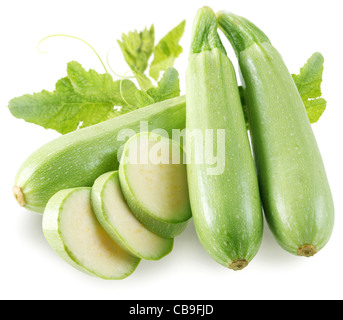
(153, 178)
(72, 230)
(120, 223)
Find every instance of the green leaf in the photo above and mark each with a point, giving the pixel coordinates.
(308, 82)
(85, 98)
(137, 48)
(144, 99)
(166, 51)
(62, 110)
(101, 87)
(82, 99)
(168, 87)
(143, 81)
(315, 108)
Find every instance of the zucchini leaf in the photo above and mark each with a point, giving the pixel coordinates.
(93, 86)
(81, 99)
(85, 98)
(168, 87)
(137, 48)
(166, 51)
(63, 110)
(308, 82)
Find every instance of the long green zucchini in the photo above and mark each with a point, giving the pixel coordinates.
(225, 204)
(294, 187)
(77, 159)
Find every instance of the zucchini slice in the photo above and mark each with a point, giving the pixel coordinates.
(72, 230)
(154, 182)
(117, 219)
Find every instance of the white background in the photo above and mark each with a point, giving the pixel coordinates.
(30, 269)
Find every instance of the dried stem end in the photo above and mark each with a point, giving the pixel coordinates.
(19, 196)
(307, 251)
(238, 265)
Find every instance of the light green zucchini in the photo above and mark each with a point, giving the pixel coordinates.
(72, 230)
(225, 204)
(78, 158)
(153, 178)
(117, 219)
(294, 187)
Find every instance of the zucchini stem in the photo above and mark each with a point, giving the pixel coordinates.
(19, 196)
(238, 265)
(307, 251)
(241, 32)
(205, 36)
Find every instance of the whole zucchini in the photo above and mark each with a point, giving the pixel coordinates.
(294, 187)
(226, 205)
(78, 158)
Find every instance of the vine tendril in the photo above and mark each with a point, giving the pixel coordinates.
(120, 87)
(116, 74)
(73, 37)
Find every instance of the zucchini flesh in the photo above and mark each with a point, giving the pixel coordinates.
(78, 158)
(72, 230)
(117, 219)
(294, 187)
(153, 178)
(226, 206)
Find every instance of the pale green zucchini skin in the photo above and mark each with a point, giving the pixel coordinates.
(294, 187)
(78, 158)
(226, 208)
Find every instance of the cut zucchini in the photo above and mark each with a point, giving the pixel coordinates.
(117, 219)
(153, 179)
(72, 230)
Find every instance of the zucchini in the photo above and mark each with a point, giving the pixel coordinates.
(78, 158)
(153, 178)
(116, 218)
(294, 187)
(72, 230)
(226, 206)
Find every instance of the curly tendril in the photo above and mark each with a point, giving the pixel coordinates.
(122, 78)
(73, 37)
(116, 74)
